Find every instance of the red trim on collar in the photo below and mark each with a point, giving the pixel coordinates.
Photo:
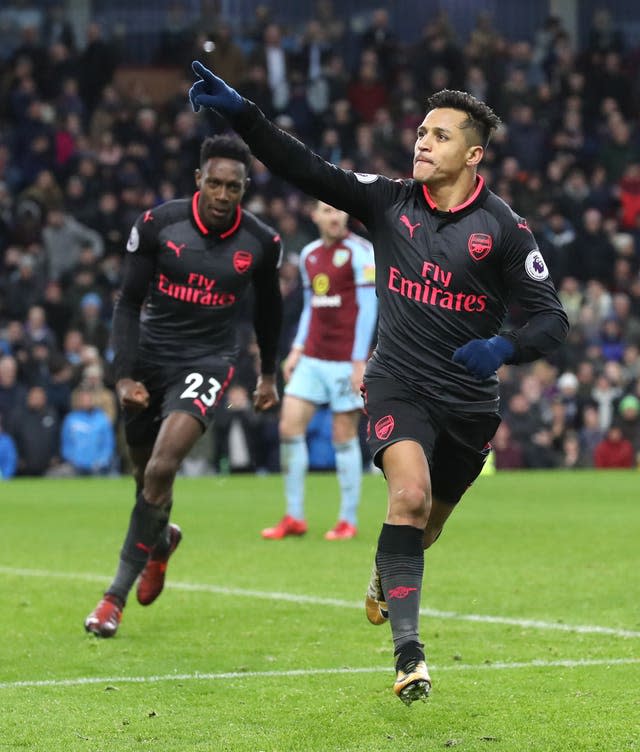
(201, 225)
(194, 208)
(470, 200)
(235, 225)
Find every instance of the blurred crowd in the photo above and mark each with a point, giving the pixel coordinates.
(81, 157)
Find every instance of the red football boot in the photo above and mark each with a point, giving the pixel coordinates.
(287, 526)
(151, 580)
(342, 531)
(105, 618)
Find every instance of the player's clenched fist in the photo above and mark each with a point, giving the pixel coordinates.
(266, 393)
(133, 395)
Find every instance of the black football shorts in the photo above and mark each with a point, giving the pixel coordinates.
(455, 443)
(195, 389)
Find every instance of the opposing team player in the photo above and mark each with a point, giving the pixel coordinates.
(449, 256)
(192, 261)
(326, 366)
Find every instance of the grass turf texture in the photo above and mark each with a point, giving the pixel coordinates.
(560, 549)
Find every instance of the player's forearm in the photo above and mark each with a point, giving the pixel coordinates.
(126, 333)
(267, 324)
(303, 324)
(542, 334)
(365, 323)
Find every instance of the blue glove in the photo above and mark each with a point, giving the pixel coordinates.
(483, 357)
(211, 91)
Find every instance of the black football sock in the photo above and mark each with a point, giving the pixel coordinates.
(147, 523)
(163, 543)
(400, 561)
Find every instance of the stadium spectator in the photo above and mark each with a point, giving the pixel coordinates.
(24, 288)
(46, 367)
(174, 364)
(64, 237)
(572, 456)
(36, 327)
(36, 429)
(87, 439)
(526, 137)
(380, 38)
(312, 55)
(93, 380)
(568, 395)
(97, 64)
(592, 254)
(236, 433)
(90, 324)
(367, 92)
(57, 28)
(629, 421)
(605, 394)
(12, 391)
(271, 55)
(427, 364)
(292, 303)
(590, 433)
(604, 37)
(326, 366)
(221, 50)
(629, 196)
(619, 149)
(57, 310)
(8, 455)
(507, 450)
(530, 430)
(614, 451)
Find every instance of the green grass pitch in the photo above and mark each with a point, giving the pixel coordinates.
(531, 619)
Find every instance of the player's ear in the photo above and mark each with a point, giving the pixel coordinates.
(474, 155)
(247, 183)
(197, 175)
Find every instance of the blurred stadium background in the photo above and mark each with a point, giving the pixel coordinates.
(95, 127)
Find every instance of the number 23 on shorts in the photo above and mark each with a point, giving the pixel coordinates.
(194, 391)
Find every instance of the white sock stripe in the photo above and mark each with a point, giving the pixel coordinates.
(231, 675)
(334, 602)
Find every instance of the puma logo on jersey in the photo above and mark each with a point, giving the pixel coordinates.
(412, 228)
(200, 406)
(176, 248)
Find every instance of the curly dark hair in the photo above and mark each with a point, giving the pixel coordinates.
(227, 146)
(480, 117)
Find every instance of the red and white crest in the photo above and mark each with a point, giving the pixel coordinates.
(479, 245)
(384, 427)
(242, 261)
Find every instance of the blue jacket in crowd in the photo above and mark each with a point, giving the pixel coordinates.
(8, 457)
(88, 440)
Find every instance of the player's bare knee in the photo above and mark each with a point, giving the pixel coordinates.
(410, 503)
(342, 435)
(161, 471)
(289, 431)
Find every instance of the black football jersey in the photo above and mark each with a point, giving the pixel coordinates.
(442, 278)
(192, 281)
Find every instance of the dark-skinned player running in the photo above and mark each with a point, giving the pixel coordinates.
(188, 266)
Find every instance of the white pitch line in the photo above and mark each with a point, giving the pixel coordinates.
(230, 675)
(336, 603)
